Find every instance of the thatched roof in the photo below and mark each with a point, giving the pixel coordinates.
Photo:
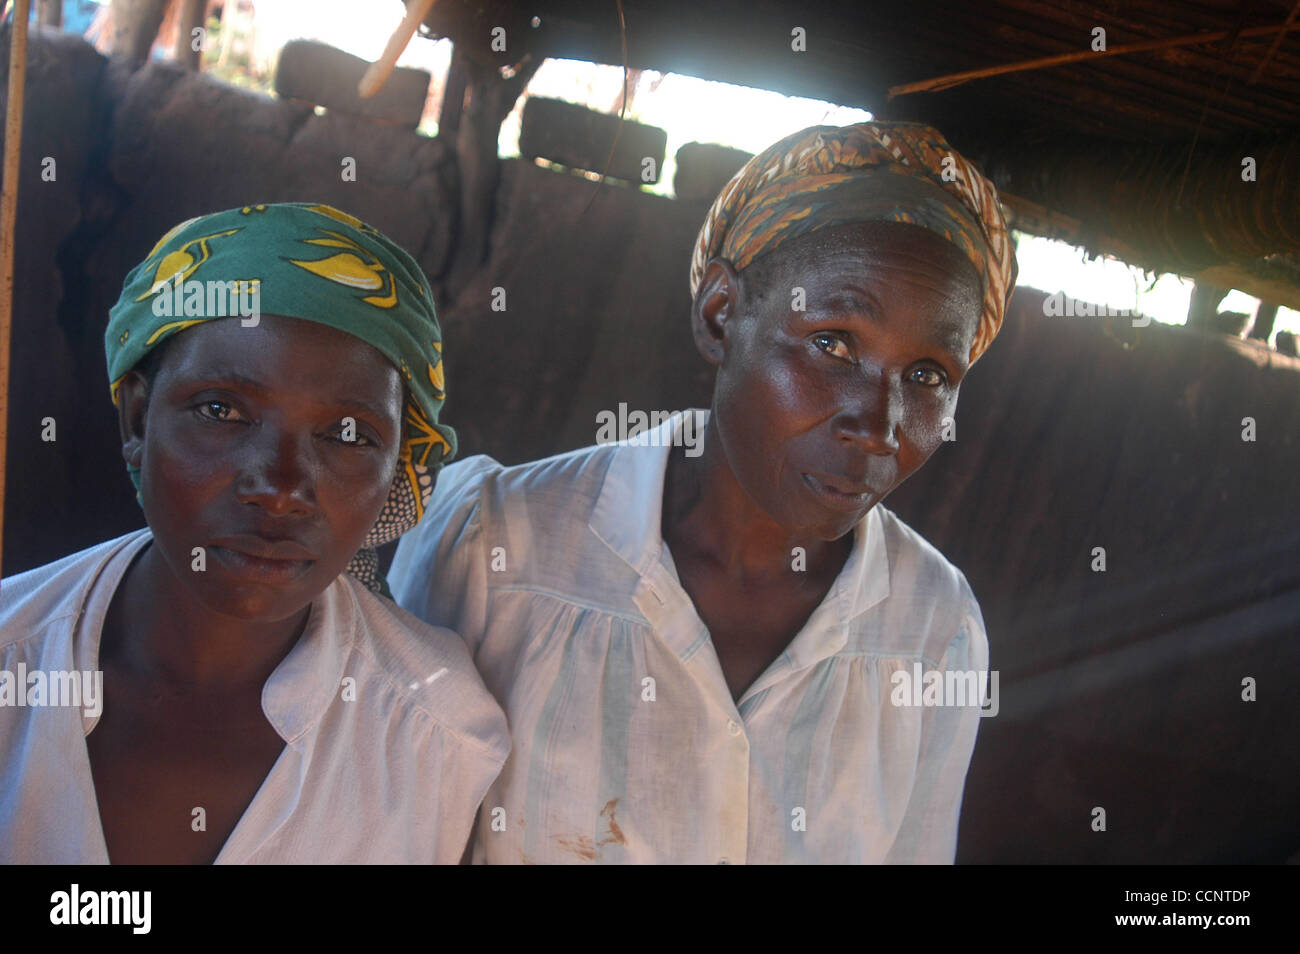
(1142, 150)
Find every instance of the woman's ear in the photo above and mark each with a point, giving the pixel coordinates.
(716, 301)
(132, 403)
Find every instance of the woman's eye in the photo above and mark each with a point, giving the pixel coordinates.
(832, 344)
(350, 437)
(217, 411)
(932, 377)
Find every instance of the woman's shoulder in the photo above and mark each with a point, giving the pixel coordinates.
(32, 600)
(567, 474)
(425, 667)
(518, 507)
(922, 563)
(928, 593)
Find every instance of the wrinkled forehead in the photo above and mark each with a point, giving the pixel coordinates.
(848, 260)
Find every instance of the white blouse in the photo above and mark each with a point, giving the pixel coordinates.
(388, 768)
(628, 746)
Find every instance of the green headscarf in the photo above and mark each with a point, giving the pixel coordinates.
(313, 262)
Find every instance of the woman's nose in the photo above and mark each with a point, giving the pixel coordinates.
(871, 416)
(280, 476)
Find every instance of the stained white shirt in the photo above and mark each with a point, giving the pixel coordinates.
(389, 767)
(628, 746)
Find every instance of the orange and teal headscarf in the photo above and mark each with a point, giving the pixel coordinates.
(866, 172)
(315, 263)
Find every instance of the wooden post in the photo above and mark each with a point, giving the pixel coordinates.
(8, 218)
(1204, 303)
(1265, 315)
(135, 27)
(491, 97)
(228, 18)
(50, 13)
(453, 96)
(193, 16)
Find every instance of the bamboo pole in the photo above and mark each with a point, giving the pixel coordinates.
(8, 217)
(1195, 39)
(1277, 41)
(377, 75)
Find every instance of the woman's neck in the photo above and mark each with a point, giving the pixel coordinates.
(156, 629)
(706, 511)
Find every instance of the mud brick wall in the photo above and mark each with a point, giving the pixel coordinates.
(597, 310)
(51, 483)
(1122, 689)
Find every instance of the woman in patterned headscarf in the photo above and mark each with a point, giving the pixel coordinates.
(277, 373)
(869, 172)
(844, 282)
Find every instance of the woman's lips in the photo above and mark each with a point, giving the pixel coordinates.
(838, 499)
(261, 569)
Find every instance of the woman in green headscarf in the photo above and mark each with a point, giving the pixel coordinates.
(247, 691)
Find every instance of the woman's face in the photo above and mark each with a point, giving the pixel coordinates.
(242, 441)
(822, 412)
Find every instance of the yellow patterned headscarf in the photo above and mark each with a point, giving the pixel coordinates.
(868, 172)
(308, 261)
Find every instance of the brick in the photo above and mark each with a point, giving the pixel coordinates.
(580, 138)
(327, 76)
